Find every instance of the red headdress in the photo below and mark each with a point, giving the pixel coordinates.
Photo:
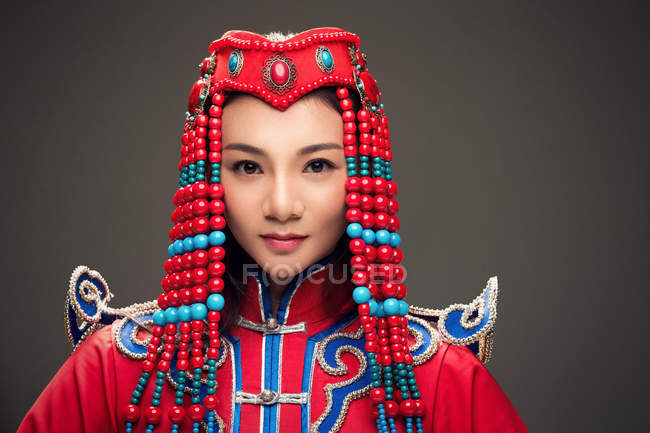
(280, 72)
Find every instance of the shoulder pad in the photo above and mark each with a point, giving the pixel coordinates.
(86, 305)
(468, 325)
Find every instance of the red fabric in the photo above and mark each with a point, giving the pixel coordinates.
(300, 50)
(90, 390)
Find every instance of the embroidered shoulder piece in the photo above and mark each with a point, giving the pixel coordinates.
(87, 310)
(468, 325)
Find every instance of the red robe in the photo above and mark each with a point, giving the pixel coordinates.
(312, 367)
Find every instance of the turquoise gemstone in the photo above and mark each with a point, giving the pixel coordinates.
(200, 242)
(199, 311)
(171, 315)
(382, 236)
(185, 313)
(403, 308)
(179, 247)
(326, 58)
(217, 237)
(233, 61)
(354, 230)
(391, 306)
(188, 244)
(361, 295)
(159, 318)
(215, 302)
(368, 236)
(171, 251)
(395, 240)
(373, 307)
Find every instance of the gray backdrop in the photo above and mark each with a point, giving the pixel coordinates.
(521, 142)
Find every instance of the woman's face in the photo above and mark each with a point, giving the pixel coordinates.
(284, 172)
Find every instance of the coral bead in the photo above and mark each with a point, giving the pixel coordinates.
(176, 414)
(152, 415)
(378, 395)
(218, 99)
(392, 409)
(216, 269)
(217, 222)
(200, 207)
(384, 254)
(210, 402)
(162, 301)
(420, 410)
(389, 289)
(200, 258)
(353, 215)
(353, 199)
(199, 190)
(342, 93)
(185, 296)
(199, 294)
(407, 407)
(348, 116)
(353, 183)
(215, 191)
(216, 253)
(345, 104)
(196, 412)
(360, 278)
(363, 115)
(132, 413)
(215, 285)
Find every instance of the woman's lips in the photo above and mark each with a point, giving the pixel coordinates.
(283, 244)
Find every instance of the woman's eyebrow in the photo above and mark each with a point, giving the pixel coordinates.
(317, 147)
(304, 151)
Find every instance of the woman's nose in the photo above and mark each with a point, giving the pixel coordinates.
(283, 201)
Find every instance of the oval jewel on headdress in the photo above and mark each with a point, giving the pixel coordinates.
(279, 72)
(233, 61)
(326, 58)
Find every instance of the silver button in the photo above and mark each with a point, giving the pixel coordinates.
(271, 323)
(267, 395)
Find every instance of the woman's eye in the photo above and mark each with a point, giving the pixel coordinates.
(248, 167)
(320, 165)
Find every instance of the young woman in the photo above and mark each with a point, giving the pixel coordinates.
(283, 297)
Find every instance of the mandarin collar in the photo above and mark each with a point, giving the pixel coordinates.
(320, 291)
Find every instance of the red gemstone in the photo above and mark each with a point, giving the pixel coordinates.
(279, 72)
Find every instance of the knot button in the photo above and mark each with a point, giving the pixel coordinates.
(271, 323)
(267, 395)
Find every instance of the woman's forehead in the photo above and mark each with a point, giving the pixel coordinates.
(249, 120)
